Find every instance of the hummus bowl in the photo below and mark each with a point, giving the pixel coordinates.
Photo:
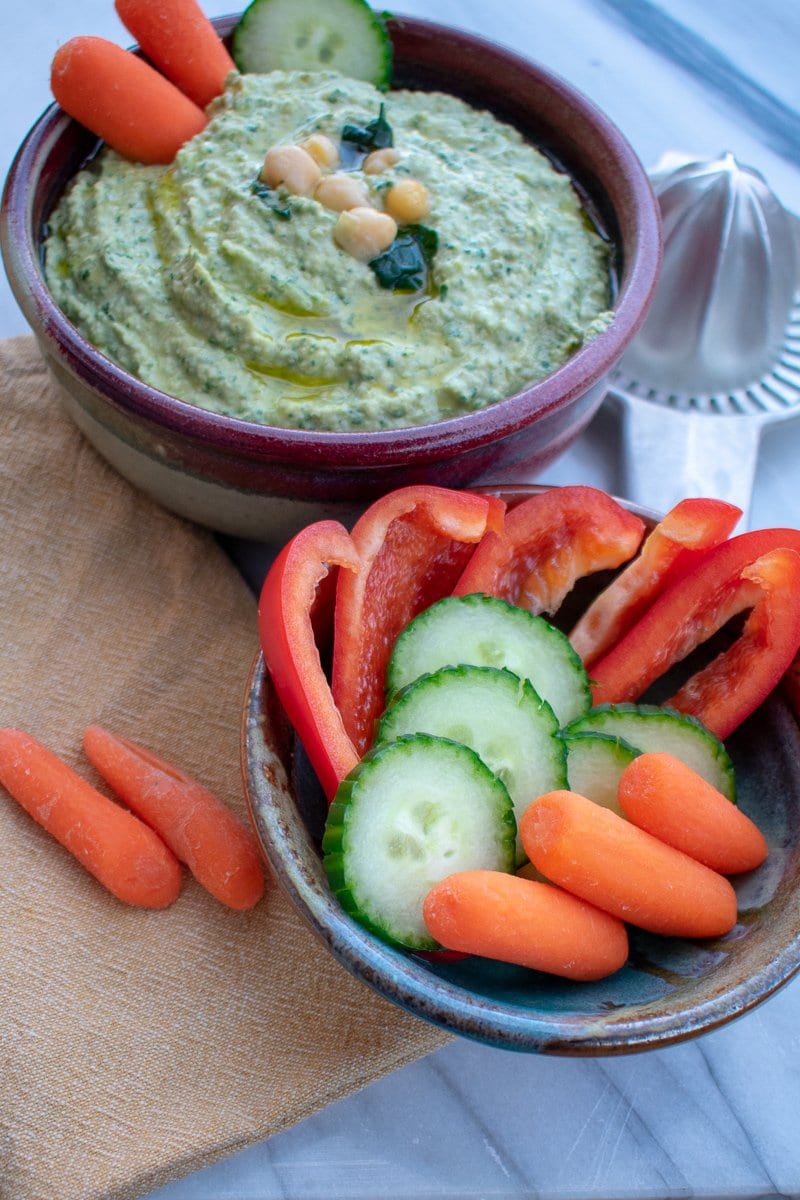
(260, 480)
(669, 990)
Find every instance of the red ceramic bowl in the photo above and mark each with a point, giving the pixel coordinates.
(265, 482)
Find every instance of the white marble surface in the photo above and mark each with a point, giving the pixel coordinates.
(720, 1115)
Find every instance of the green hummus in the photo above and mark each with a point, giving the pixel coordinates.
(191, 280)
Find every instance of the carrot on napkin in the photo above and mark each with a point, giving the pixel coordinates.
(126, 856)
(217, 848)
(180, 39)
(123, 100)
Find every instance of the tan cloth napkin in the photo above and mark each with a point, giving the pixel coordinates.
(138, 1046)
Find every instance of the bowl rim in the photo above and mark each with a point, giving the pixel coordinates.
(405, 979)
(420, 443)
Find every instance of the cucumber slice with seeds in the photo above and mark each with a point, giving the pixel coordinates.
(314, 35)
(595, 762)
(483, 631)
(412, 812)
(650, 727)
(496, 714)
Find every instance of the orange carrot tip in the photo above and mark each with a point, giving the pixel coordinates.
(606, 860)
(220, 851)
(660, 794)
(126, 856)
(531, 924)
(123, 100)
(182, 42)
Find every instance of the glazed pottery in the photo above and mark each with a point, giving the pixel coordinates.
(669, 990)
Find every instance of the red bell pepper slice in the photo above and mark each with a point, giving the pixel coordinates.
(548, 542)
(413, 544)
(791, 687)
(673, 545)
(286, 630)
(758, 571)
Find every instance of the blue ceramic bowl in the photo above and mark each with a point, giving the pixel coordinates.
(669, 990)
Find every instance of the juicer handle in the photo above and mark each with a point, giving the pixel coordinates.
(668, 455)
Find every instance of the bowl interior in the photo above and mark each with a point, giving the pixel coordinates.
(670, 988)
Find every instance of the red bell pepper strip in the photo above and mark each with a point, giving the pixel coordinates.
(549, 542)
(286, 630)
(675, 543)
(758, 571)
(791, 687)
(717, 695)
(413, 544)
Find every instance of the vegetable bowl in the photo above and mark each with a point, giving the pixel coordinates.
(669, 989)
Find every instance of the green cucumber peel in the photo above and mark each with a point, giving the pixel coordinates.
(411, 812)
(485, 631)
(311, 35)
(649, 727)
(497, 715)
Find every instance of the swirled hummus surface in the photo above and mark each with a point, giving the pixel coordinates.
(187, 277)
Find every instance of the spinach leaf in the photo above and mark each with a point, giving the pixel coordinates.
(271, 199)
(375, 135)
(406, 265)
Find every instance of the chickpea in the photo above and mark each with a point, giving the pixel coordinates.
(380, 160)
(322, 150)
(407, 200)
(364, 232)
(292, 168)
(340, 192)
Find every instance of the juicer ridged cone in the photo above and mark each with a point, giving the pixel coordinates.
(722, 312)
(722, 338)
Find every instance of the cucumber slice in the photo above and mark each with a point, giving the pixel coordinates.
(314, 35)
(496, 714)
(483, 631)
(412, 812)
(650, 727)
(595, 762)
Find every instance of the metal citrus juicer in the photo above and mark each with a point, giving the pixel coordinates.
(718, 357)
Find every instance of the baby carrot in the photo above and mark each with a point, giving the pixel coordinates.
(179, 38)
(118, 849)
(123, 100)
(660, 794)
(598, 855)
(519, 921)
(217, 848)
